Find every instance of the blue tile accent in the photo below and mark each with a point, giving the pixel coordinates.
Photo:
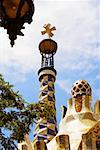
(41, 126)
(42, 137)
(35, 134)
(51, 121)
(44, 83)
(50, 78)
(50, 98)
(51, 132)
(44, 93)
(50, 88)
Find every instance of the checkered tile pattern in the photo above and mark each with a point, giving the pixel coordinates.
(46, 129)
(47, 88)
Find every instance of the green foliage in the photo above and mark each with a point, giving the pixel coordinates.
(16, 115)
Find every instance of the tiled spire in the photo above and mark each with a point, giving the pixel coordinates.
(46, 128)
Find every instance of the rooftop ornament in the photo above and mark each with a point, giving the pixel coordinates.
(48, 47)
(48, 30)
(13, 15)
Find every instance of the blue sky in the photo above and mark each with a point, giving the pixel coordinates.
(78, 55)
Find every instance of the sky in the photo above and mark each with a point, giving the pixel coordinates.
(77, 34)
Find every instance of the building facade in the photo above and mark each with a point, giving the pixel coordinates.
(79, 128)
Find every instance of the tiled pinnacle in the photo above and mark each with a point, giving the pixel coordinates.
(46, 129)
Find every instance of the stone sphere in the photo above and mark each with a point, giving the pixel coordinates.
(81, 87)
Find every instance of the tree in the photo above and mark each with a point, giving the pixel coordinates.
(16, 116)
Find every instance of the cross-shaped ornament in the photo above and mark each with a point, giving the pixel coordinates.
(48, 30)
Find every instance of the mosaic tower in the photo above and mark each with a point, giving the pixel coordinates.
(46, 128)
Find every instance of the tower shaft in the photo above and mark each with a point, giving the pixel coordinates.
(46, 128)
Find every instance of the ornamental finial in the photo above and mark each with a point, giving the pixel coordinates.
(48, 30)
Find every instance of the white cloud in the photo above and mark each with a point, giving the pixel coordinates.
(77, 36)
(65, 85)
